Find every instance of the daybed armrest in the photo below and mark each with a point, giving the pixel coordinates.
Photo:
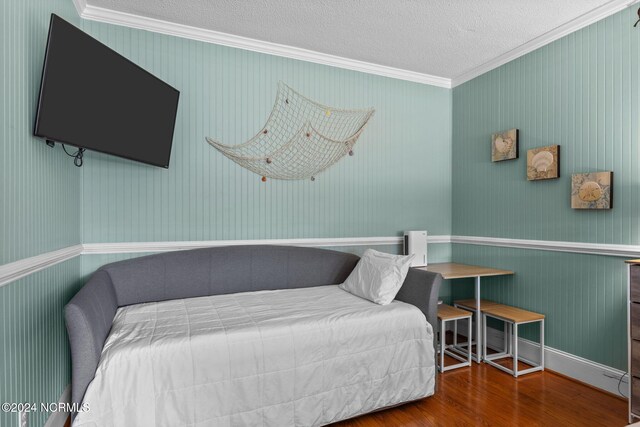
(421, 289)
(88, 316)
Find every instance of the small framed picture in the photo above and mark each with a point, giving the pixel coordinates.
(592, 190)
(543, 163)
(504, 145)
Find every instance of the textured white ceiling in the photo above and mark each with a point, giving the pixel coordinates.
(439, 37)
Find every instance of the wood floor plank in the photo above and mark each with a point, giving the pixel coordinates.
(484, 396)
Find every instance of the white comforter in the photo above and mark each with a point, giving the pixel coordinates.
(302, 357)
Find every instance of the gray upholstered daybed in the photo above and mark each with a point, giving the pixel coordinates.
(181, 338)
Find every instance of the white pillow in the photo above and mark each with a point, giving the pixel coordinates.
(378, 276)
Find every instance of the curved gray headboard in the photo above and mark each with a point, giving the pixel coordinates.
(202, 272)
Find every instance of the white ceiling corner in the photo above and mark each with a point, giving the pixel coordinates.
(80, 5)
(594, 15)
(442, 43)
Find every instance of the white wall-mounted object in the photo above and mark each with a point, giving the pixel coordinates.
(415, 243)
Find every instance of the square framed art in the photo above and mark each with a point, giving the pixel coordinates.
(592, 190)
(504, 145)
(543, 163)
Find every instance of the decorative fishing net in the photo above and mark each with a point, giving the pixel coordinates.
(300, 139)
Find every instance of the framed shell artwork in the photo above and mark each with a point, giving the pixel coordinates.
(504, 145)
(543, 163)
(592, 190)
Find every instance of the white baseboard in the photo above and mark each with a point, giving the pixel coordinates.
(578, 368)
(57, 419)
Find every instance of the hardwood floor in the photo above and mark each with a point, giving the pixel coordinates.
(485, 396)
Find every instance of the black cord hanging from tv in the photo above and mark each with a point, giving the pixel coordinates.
(77, 156)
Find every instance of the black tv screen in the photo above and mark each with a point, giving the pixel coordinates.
(91, 97)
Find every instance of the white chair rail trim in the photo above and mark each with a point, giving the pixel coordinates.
(608, 249)
(24, 267)
(141, 247)
(18, 269)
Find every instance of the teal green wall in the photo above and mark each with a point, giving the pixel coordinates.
(399, 178)
(581, 92)
(39, 212)
(228, 94)
(46, 203)
(34, 350)
(39, 187)
(583, 297)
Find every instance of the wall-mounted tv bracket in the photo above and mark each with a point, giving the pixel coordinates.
(77, 156)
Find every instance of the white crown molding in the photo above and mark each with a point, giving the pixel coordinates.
(606, 249)
(24, 267)
(95, 13)
(582, 21)
(80, 5)
(109, 16)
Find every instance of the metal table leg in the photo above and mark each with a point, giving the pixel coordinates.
(479, 337)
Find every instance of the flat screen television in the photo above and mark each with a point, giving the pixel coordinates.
(93, 98)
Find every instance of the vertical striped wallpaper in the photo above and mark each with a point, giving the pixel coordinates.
(39, 211)
(582, 296)
(34, 350)
(581, 92)
(39, 186)
(399, 178)
(46, 203)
